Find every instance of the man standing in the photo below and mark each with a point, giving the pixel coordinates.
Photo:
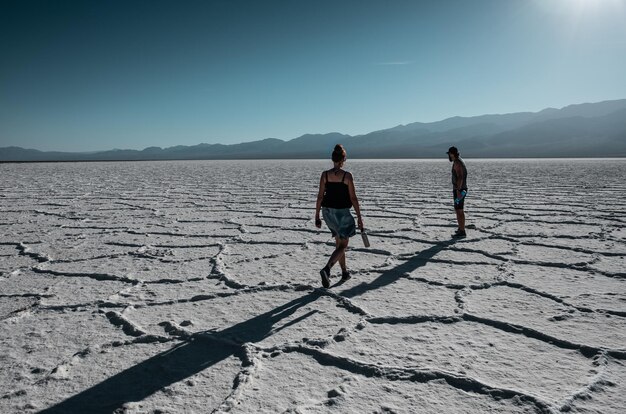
(459, 189)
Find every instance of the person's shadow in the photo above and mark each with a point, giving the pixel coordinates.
(392, 275)
(208, 348)
(201, 351)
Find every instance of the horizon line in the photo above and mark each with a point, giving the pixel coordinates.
(321, 133)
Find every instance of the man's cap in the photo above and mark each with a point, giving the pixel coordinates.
(452, 150)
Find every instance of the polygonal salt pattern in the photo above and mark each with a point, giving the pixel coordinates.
(173, 286)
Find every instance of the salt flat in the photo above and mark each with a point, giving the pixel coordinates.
(169, 287)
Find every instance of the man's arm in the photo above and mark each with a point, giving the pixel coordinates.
(459, 177)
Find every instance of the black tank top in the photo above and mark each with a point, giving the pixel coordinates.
(336, 194)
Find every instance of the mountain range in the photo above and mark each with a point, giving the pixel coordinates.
(581, 130)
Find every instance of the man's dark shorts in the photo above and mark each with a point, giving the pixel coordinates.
(461, 203)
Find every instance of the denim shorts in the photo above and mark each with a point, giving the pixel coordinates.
(339, 221)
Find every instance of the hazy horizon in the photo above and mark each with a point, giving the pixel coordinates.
(286, 140)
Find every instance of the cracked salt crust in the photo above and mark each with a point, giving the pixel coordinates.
(193, 286)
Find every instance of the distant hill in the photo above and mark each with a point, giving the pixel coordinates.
(583, 130)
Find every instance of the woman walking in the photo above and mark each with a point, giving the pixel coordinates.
(335, 198)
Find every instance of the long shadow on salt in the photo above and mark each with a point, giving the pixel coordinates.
(392, 275)
(208, 348)
(180, 362)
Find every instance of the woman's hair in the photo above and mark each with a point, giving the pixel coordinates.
(339, 153)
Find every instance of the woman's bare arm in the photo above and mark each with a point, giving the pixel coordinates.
(320, 197)
(355, 201)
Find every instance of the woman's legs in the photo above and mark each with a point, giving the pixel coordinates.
(339, 254)
(342, 258)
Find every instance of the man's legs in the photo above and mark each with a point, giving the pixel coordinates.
(460, 218)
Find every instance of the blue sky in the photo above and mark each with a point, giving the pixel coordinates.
(92, 75)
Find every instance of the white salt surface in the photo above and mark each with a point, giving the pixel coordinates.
(170, 287)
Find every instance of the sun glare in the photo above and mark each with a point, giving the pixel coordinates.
(581, 6)
(596, 3)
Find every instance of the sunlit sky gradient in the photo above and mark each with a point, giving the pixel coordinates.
(92, 75)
